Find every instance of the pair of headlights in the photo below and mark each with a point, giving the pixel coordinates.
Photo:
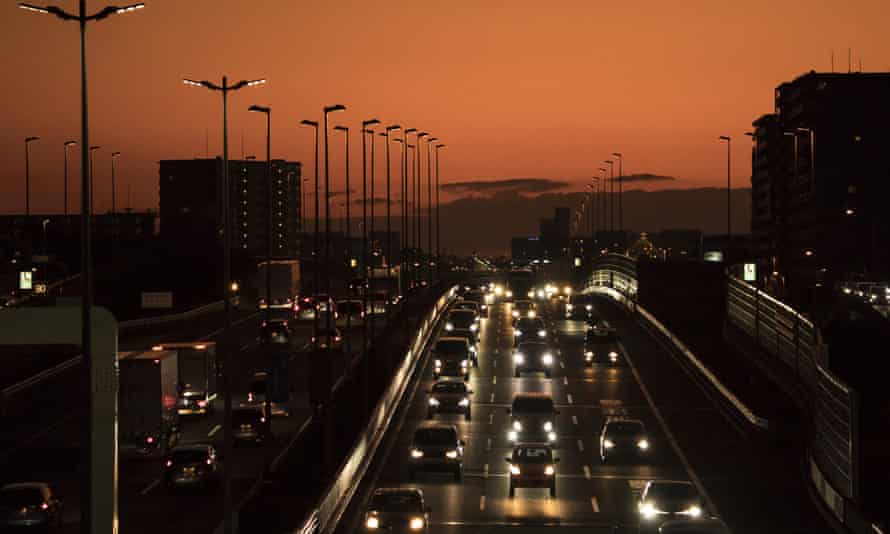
(373, 523)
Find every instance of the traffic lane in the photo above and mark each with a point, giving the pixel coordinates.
(756, 489)
(597, 495)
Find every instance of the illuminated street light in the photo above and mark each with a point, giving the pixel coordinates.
(114, 156)
(728, 185)
(438, 223)
(28, 141)
(267, 111)
(387, 130)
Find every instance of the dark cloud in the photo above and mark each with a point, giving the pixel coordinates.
(379, 200)
(341, 192)
(511, 185)
(647, 178)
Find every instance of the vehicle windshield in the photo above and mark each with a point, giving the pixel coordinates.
(344, 308)
(533, 455)
(624, 428)
(599, 337)
(449, 387)
(240, 417)
(18, 497)
(451, 346)
(531, 348)
(673, 492)
(188, 457)
(533, 405)
(528, 323)
(462, 318)
(396, 502)
(435, 436)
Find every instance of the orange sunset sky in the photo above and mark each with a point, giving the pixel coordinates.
(540, 89)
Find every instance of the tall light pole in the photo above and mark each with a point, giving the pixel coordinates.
(620, 158)
(224, 89)
(28, 141)
(327, 215)
(402, 170)
(429, 206)
(405, 190)
(604, 197)
(267, 111)
(438, 225)
(387, 130)
(728, 193)
(96, 515)
(419, 195)
(67, 145)
(316, 273)
(348, 333)
(114, 156)
(412, 207)
(92, 182)
(369, 317)
(611, 164)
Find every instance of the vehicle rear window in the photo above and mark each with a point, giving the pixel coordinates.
(449, 387)
(451, 346)
(673, 492)
(533, 405)
(18, 497)
(529, 454)
(435, 436)
(188, 457)
(396, 502)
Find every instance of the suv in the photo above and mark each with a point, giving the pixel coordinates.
(623, 437)
(472, 338)
(533, 356)
(250, 424)
(459, 318)
(397, 510)
(532, 466)
(191, 465)
(529, 328)
(532, 418)
(669, 499)
(448, 396)
(437, 447)
(275, 331)
(451, 357)
(601, 346)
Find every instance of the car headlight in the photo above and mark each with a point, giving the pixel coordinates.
(518, 358)
(542, 333)
(514, 469)
(485, 306)
(515, 313)
(416, 523)
(464, 402)
(517, 332)
(588, 307)
(474, 327)
(464, 363)
(449, 327)
(692, 511)
(549, 471)
(569, 306)
(434, 401)
(531, 313)
(509, 294)
(416, 453)
(613, 355)
(548, 427)
(511, 435)
(608, 443)
(530, 294)
(540, 294)
(551, 436)
(643, 444)
(517, 425)
(451, 454)
(372, 523)
(437, 363)
(588, 354)
(648, 511)
(547, 359)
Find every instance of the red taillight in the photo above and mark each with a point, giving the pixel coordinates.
(264, 324)
(169, 463)
(296, 307)
(262, 419)
(202, 403)
(285, 323)
(44, 506)
(250, 397)
(337, 338)
(150, 439)
(209, 461)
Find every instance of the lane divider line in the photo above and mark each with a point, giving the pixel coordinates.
(575, 420)
(154, 483)
(488, 445)
(580, 445)
(565, 381)
(494, 380)
(563, 365)
(586, 472)
(491, 418)
(485, 471)
(594, 503)
(482, 503)
(569, 398)
(492, 398)
(214, 430)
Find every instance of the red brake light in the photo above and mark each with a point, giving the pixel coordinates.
(150, 439)
(285, 323)
(44, 506)
(209, 461)
(250, 397)
(169, 463)
(337, 338)
(202, 403)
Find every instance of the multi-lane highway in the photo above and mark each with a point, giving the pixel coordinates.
(590, 495)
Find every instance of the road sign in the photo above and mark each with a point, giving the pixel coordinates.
(157, 300)
(26, 280)
(750, 272)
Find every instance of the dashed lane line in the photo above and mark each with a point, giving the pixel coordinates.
(214, 430)
(595, 504)
(587, 472)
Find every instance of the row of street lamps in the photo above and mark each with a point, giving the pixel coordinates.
(66, 145)
(600, 201)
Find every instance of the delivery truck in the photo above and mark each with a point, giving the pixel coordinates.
(148, 422)
(197, 374)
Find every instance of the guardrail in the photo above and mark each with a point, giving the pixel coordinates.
(336, 498)
(173, 317)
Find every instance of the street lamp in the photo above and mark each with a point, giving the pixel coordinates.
(92, 182)
(224, 89)
(620, 158)
(268, 112)
(316, 274)
(387, 130)
(728, 194)
(327, 211)
(438, 225)
(402, 173)
(28, 141)
(605, 199)
(611, 164)
(429, 205)
(419, 198)
(66, 145)
(114, 156)
(365, 234)
(411, 207)
(96, 514)
(347, 334)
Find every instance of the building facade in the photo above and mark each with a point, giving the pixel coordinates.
(191, 211)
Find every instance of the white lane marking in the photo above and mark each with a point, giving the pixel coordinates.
(153, 485)
(569, 397)
(490, 418)
(594, 503)
(214, 430)
(485, 471)
(580, 445)
(587, 472)
(667, 431)
(495, 362)
(575, 420)
(565, 381)
(482, 503)
(244, 346)
(494, 380)
(492, 398)
(488, 445)
(563, 365)
(496, 351)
